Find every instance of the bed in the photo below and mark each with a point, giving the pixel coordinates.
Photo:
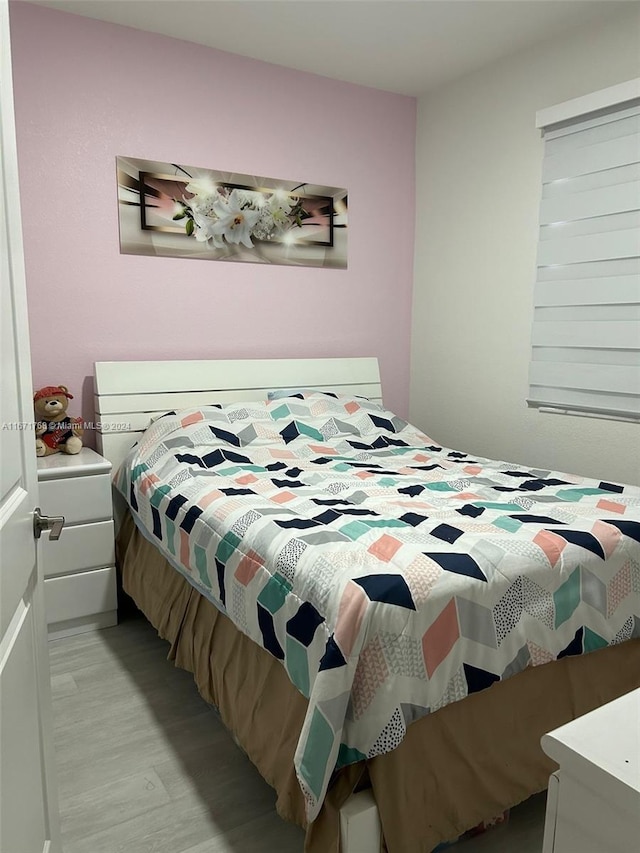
(439, 712)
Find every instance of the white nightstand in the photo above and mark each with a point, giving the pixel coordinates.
(79, 569)
(593, 802)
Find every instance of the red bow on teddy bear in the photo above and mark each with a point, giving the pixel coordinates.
(55, 431)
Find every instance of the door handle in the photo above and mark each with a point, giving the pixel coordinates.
(52, 523)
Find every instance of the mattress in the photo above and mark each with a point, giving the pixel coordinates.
(465, 763)
(390, 576)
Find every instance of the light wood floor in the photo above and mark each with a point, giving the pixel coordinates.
(145, 765)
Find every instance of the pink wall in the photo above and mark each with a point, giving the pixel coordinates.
(86, 91)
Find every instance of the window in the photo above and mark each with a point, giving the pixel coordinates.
(586, 326)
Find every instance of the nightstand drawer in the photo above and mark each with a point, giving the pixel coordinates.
(79, 499)
(82, 546)
(80, 595)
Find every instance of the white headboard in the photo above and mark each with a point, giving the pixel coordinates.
(129, 393)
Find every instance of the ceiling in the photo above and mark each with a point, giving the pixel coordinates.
(404, 46)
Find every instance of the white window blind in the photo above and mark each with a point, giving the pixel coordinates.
(586, 324)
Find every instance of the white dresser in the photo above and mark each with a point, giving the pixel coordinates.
(79, 568)
(593, 802)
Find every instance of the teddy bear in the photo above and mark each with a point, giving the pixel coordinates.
(55, 430)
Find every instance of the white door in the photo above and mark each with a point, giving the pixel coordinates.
(28, 803)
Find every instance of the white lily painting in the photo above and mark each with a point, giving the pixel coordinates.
(168, 209)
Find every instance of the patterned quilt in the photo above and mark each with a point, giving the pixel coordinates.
(391, 576)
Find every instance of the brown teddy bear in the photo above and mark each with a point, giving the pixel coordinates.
(55, 431)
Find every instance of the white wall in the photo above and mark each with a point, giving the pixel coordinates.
(479, 158)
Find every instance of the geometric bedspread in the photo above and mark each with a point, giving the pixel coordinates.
(389, 575)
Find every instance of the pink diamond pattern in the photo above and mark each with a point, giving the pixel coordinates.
(371, 673)
(440, 637)
(539, 655)
(619, 588)
(608, 536)
(319, 408)
(479, 528)
(265, 431)
(420, 575)
(227, 509)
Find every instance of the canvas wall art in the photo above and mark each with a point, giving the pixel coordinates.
(175, 210)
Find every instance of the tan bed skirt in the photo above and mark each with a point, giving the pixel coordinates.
(465, 763)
